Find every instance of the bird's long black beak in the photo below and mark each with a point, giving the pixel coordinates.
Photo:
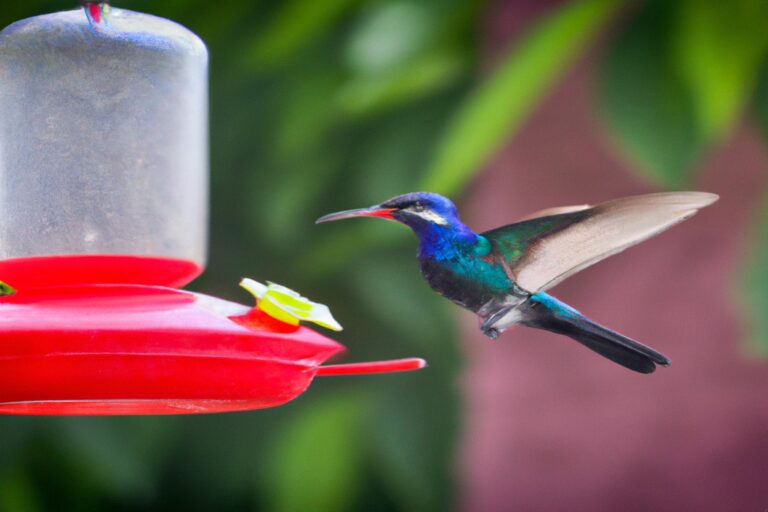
(373, 211)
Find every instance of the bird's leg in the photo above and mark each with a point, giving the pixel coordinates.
(500, 313)
(489, 325)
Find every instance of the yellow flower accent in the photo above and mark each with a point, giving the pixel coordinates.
(288, 306)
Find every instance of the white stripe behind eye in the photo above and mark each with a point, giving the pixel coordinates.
(431, 216)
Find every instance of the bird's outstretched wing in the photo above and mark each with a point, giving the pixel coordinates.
(542, 251)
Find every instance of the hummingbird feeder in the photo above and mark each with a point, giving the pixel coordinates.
(103, 214)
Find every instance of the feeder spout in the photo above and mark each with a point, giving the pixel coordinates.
(394, 365)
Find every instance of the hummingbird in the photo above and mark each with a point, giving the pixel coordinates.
(502, 275)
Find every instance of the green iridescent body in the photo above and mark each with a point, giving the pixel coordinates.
(473, 270)
(466, 273)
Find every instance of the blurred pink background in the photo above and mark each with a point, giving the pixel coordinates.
(549, 425)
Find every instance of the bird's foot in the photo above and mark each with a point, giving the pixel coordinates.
(490, 326)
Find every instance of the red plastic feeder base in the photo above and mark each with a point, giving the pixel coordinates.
(133, 349)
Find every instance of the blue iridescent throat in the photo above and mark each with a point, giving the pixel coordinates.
(450, 241)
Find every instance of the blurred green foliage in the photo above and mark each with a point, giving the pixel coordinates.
(754, 297)
(677, 79)
(318, 106)
(673, 85)
(484, 121)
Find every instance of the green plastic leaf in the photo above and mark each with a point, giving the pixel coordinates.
(288, 306)
(6, 289)
(648, 111)
(718, 48)
(296, 24)
(318, 458)
(754, 285)
(499, 106)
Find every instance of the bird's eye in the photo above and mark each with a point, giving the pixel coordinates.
(418, 207)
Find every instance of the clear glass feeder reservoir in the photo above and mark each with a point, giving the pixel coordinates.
(103, 150)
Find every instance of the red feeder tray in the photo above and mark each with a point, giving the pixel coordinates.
(135, 349)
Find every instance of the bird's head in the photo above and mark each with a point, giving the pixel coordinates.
(421, 211)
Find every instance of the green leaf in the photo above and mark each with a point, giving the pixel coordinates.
(718, 48)
(428, 74)
(296, 24)
(396, 295)
(340, 247)
(318, 457)
(285, 214)
(372, 48)
(304, 122)
(648, 110)
(761, 102)
(754, 285)
(428, 54)
(121, 453)
(17, 493)
(18, 433)
(415, 429)
(499, 106)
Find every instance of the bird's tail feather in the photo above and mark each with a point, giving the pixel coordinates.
(546, 312)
